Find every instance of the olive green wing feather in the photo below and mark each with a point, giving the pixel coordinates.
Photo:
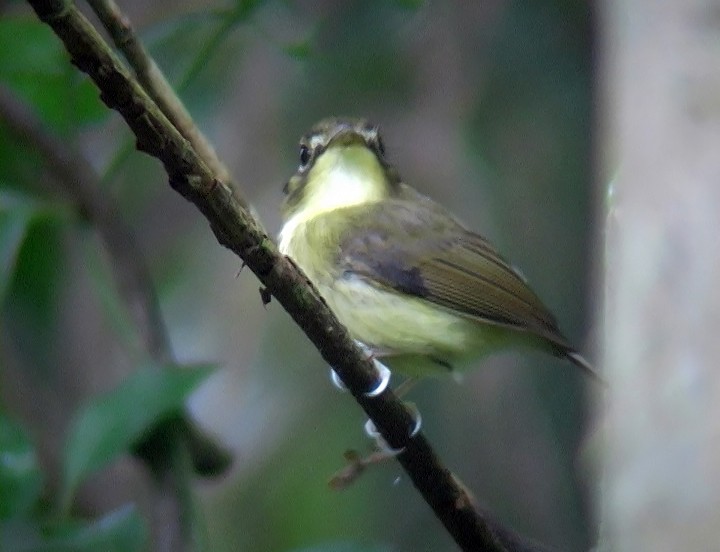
(419, 249)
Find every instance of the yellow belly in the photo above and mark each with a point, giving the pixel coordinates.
(411, 334)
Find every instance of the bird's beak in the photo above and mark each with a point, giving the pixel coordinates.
(345, 137)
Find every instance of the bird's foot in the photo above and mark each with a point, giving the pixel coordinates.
(383, 374)
(372, 432)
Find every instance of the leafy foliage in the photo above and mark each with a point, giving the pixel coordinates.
(109, 425)
(16, 215)
(24, 527)
(118, 531)
(20, 477)
(37, 68)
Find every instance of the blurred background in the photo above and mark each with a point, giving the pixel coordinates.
(483, 106)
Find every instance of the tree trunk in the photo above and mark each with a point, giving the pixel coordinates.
(660, 120)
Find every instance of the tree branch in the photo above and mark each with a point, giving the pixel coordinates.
(236, 229)
(155, 83)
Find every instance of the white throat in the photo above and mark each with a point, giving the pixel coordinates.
(341, 177)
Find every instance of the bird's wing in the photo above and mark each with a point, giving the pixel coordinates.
(419, 249)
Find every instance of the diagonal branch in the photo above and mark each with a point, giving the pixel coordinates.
(155, 83)
(236, 229)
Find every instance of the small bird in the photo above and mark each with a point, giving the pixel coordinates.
(407, 279)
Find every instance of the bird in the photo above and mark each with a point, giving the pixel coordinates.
(409, 281)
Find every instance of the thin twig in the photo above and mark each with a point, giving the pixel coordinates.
(156, 85)
(236, 229)
(79, 182)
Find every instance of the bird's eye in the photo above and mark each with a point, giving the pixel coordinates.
(304, 156)
(286, 188)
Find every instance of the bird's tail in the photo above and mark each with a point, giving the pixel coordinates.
(578, 360)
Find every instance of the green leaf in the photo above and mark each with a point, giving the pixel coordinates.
(20, 477)
(15, 218)
(18, 213)
(119, 531)
(110, 424)
(34, 267)
(38, 68)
